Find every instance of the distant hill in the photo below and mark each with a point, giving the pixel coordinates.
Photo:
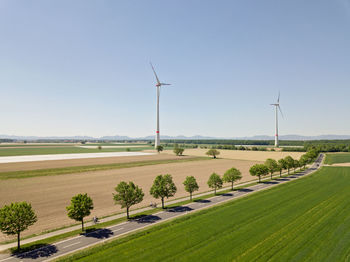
(182, 137)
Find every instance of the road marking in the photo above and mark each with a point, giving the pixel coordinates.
(72, 244)
(115, 230)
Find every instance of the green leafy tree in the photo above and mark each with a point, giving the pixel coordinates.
(178, 151)
(163, 187)
(296, 164)
(160, 148)
(15, 218)
(259, 170)
(80, 207)
(213, 153)
(303, 160)
(128, 194)
(282, 165)
(289, 162)
(279, 169)
(232, 175)
(190, 185)
(271, 165)
(215, 182)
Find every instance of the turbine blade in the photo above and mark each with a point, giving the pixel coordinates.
(280, 110)
(155, 74)
(278, 99)
(164, 84)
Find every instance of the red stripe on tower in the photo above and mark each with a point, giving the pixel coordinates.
(157, 132)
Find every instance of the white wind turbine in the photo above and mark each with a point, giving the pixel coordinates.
(277, 107)
(158, 85)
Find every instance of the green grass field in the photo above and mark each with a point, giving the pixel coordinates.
(337, 158)
(63, 150)
(305, 220)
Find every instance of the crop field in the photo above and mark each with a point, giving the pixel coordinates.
(245, 155)
(83, 162)
(46, 150)
(49, 194)
(335, 158)
(305, 220)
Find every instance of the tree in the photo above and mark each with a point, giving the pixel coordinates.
(232, 175)
(289, 162)
(282, 164)
(128, 195)
(296, 164)
(159, 148)
(163, 186)
(213, 153)
(259, 170)
(190, 185)
(15, 218)
(303, 160)
(99, 147)
(271, 165)
(215, 182)
(178, 151)
(80, 207)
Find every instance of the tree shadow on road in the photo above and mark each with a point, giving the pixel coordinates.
(99, 233)
(245, 190)
(202, 201)
(179, 209)
(36, 251)
(146, 219)
(227, 194)
(283, 179)
(269, 182)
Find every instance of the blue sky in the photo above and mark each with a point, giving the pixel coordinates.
(82, 67)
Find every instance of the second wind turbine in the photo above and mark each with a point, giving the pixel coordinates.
(158, 85)
(277, 107)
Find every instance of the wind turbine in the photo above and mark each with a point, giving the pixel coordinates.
(277, 107)
(158, 85)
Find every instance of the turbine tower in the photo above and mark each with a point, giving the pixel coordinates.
(277, 107)
(158, 85)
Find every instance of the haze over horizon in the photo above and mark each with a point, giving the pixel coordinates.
(82, 68)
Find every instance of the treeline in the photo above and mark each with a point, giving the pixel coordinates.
(234, 142)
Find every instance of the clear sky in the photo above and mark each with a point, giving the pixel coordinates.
(82, 67)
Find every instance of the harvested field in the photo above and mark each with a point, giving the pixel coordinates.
(245, 155)
(50, 195)
(47, 164)
(341, 164)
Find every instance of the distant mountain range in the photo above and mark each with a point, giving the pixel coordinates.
(197, 137)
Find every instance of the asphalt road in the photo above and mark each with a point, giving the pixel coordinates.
(64, 247)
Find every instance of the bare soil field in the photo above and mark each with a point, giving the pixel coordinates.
(341, 164)
(49, 196)
(4, 167)
(244, 155)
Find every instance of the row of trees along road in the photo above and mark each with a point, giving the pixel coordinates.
(271, 165)
(17, 217)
